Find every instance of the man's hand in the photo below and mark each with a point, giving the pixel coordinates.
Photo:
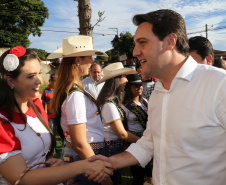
(99, 177)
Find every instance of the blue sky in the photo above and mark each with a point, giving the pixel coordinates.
(63, 20)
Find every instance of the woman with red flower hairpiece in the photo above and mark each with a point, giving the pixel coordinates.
(25, 139)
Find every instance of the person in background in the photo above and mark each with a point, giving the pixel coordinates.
(220, 63)
(201, 49)
(55, 64)
(151, 81)
(148, 86)
(113, 116)
(89, 83)
(186, 128)
(138, 68)
(78, 111)
(26, 141)
(46, 98)
(136, 107)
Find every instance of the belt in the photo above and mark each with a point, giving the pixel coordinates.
(139, 134)
(94, 146)
(113, 142)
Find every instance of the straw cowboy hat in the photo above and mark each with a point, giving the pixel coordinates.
(80, 45)
(56, 54)
(113, 70)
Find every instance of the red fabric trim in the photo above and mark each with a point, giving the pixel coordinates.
(8, 141)
(41, 109)
(18, 119)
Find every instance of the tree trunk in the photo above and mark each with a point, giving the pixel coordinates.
(84, 13)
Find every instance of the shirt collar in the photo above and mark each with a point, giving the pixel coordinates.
(17, 117)
(187, 70)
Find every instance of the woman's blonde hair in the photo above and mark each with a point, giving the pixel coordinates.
(67, 76)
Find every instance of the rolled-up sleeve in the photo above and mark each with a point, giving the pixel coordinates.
(142, 150)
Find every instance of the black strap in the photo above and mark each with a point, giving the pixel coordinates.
(74, 88)
(141, 115)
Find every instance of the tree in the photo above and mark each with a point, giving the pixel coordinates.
(19, 19)
(124, 44)
(84, 14)
(41, 53)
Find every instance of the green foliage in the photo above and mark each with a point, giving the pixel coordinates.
(19, 19)
(41, 53)
(124, 44)
(108, 52)
(100, 18)
(42, 87)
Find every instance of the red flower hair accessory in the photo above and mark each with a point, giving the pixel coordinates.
(11, 61)
(18, 51)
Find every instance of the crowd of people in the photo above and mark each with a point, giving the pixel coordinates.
(173, 135)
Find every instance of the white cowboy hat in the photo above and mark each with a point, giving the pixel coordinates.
(113, 70)
(56, 54)
(80, 45)
(74, 46)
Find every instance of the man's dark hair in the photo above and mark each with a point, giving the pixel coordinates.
(217, 63)
(165, 22)
(202, 46)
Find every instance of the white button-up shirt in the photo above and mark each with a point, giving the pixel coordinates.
(186, 129)
(89, 84)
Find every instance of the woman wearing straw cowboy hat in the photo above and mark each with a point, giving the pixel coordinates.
(113, 116)
(80, 118)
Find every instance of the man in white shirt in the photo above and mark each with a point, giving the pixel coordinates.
(201, 49)
(186, 129)
(89, 83)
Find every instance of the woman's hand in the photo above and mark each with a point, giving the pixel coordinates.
(97, 170)
(54, 162)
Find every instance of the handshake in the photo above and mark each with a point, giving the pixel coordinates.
(98, 168)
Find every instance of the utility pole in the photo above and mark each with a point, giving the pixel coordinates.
(206, 32)
(115, 29)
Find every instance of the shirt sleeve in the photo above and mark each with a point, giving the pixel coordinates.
(109, 113)
(8, 141)
(43, 97)
(143, 150)
(76, 108)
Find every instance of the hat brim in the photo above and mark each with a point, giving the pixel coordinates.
(136, 82)
(87, 53)
(118, 72)
(56, 54)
